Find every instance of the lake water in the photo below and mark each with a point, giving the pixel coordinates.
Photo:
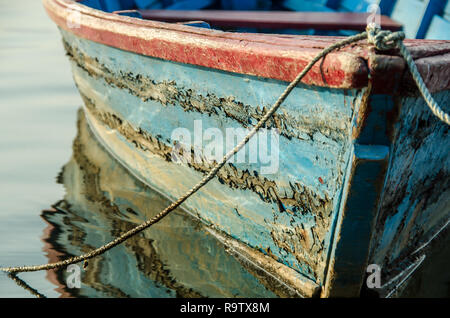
(58, 199)
(38, 104)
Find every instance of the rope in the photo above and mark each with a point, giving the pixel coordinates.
(25, 286)
(386, 40)
(383, 40)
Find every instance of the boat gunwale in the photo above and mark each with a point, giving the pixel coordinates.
(279, 57)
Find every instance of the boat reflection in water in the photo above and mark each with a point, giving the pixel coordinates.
(177, 257)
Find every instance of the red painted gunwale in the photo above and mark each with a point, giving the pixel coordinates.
(279, 57)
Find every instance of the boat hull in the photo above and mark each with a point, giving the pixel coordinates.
(330, 206)
(287, 214)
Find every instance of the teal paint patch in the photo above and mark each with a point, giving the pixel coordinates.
(371, 152)
(376, 126)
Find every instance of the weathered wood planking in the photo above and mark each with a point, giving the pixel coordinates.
(415, 205)
(225, 100)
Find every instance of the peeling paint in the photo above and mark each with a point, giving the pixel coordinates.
(169, 93)
(416, 195)
(292, 206)
(288, 215)
(304, 244)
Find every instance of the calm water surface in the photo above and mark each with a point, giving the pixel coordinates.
(61, 194)
(38, 104)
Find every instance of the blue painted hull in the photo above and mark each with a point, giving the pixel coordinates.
(323, 213)
(248, 213)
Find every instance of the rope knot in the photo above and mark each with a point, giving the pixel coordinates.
(383, 40)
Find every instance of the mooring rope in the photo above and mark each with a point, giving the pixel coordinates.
(25, 286)
(381, 39)
(386, 40)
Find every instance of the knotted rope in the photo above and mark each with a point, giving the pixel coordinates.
(381, 39)
(386, 40)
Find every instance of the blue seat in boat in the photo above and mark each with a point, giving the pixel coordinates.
(420, 18)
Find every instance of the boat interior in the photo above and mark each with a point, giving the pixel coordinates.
(427, 20)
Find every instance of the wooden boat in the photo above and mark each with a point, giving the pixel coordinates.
(363, 173)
